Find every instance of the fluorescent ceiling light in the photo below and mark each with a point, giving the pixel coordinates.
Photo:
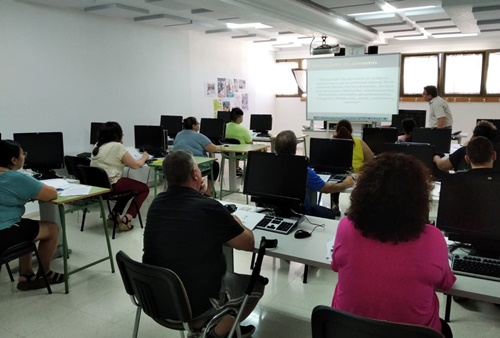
(452, 35)
(255, 25)
(411, 37)
(387, 7)
(395, 10)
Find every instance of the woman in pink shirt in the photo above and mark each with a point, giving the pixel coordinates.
(389, 261)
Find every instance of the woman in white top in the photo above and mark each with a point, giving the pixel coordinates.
(110, 155)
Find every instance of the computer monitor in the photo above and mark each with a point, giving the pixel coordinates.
(172, 123)
(214, 129)
(276, 180)
(418, 116)
(424, 152)
(45, 152)
(331, 155)
(95, 127)
(396, 122)
(225, 115)
(439, 138)
(150, 139)
(376, 137)
(261, 124)
(468, 211)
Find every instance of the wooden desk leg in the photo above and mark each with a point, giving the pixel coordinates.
(62, 216)
(448, 308)
(306, 270)
(106, 233)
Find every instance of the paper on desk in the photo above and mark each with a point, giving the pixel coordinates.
(57, 183)
(248, 218)
(324, 177)
(76, 190)
(329, 250)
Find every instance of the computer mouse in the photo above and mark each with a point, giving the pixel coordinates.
(225, 145)
(302, 234)
(231, 208)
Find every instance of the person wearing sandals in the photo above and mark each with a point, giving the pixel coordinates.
(110, 155)
(17, 189)
(199, 145)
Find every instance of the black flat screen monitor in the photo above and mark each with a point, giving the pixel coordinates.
(396, 122)
(439, 138)
(225, 115)
(150, 139)
(261, 123)
(214, 129)
(172, 123)
(418, 116)
(269, 177)
(331, 155)
(45, 152)
(424, 152)
(376, 137)
(95, 127)
(468, 211)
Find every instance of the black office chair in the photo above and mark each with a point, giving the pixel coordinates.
(20, 250)
(327, 322)
(72, 163)
(98, 177)
(160, 293)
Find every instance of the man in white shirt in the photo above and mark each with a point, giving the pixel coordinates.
(439, 111)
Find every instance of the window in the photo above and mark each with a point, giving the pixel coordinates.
(492, 78)
(418, 72)
(463, 73)
(285, 82)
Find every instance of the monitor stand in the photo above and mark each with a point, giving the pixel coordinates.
(262, 133)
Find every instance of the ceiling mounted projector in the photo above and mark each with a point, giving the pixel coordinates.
(324, 48)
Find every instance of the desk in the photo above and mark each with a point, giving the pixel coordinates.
(60, 202)
(157, 167)
(312, 251)
(230, 153)
(473, 288)
(271, 140)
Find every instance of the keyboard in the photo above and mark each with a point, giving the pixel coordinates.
(277, 224)
(480, 267)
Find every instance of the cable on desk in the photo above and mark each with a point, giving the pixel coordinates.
(308, 220)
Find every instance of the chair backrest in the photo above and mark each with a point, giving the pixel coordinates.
(71, 163)
(159, 291)
(332, 323)
(94, 176)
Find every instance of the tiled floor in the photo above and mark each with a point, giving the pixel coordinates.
(97, 305)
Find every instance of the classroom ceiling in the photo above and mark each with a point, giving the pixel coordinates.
(292, 24)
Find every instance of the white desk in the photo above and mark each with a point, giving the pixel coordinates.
(230, 152)
(312, 251)
(272, 139)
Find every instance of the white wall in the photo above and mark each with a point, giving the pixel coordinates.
(290, 112)
(61, 69)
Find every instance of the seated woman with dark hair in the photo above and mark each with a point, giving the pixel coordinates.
(110, 155)
(199, 145)
(390, 262)
(408, 125)
(361, 153)
(17, 189)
